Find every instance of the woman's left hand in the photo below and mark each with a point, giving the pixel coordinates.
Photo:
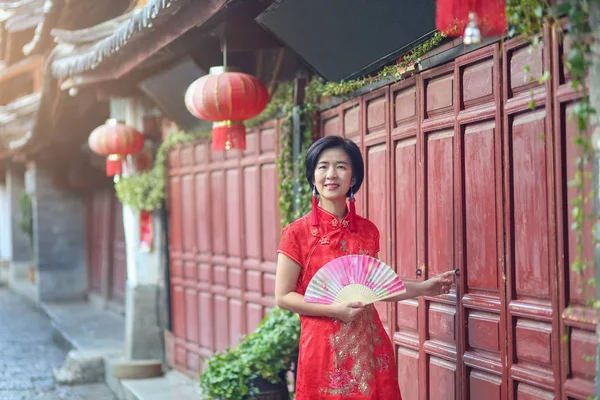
(439, 284)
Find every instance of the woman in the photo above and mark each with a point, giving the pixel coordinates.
(344, 349)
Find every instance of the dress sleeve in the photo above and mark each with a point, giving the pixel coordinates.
(289, 245)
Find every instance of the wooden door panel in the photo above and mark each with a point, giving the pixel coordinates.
(480, 214)
(481, 383)
(531, 269)
(232, 213)
(440, 202)
(188, 207)
(377, 204)
(405, 177)
(270, 213)
(218, 204)
(442, 379)
(530, 194)
(252, 213)
(203, 215)
(408, 373)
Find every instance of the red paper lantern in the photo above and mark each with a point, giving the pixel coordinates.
(452, 16)
(115, 140)
(227, 98)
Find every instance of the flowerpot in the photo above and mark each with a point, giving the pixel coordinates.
(270, 391)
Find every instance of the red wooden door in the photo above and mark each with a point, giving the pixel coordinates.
(577, 321)
(107, 264)
(223, 230)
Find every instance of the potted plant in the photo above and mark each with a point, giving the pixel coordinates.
(257, 367)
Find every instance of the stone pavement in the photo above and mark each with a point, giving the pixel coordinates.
(28, 355)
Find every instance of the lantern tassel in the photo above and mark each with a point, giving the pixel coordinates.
(114, 165)
(228, 135)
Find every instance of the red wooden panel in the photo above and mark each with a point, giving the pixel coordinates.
(527, 392)
(439, 95)
(193, 361)
(405, 105)
(267, 140)
(583, 354)
(253, 281)
(176, 268)
(254, 314)
(219, 209)
(376, 114)
(408, 373)
(220, 275)
(234, 279)
(188, 206)
(221, 323)
(270, 212)
(477, 82)
(405, 178)
(205, 320)
(178, 310)
(251, 142)
(440, 205)
(519, 78)
(480, 207)
(331, 126)
(407, 312)
(442, 322)
(204, 273)
(232, 214)
(351, 128)
(530, 194)
(533, 341)
(235, 321)
(200, 152)
(442, 379)
(579, 289)
(175, 216)
(484, 331)
(269, 284)
(484, 386)
(190, 271)
(252, 215)
(202, 213)
(186, 155)
(191, 315)
(377, 205)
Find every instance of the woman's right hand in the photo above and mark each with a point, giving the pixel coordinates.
(348, 311)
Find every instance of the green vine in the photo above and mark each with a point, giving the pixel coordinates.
(292, 207)
(146, 191)
(395, 71)
(527, 18)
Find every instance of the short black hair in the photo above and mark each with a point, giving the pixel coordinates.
(336, 142)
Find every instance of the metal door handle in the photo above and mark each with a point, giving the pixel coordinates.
(421, 270)
(457, 272)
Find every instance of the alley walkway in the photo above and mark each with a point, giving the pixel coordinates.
(28, 354)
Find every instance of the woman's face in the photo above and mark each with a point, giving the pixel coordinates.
(333, 174)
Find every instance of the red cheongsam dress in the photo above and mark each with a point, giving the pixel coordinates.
(339, 360)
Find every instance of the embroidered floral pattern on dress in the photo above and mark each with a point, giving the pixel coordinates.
(343, 246)
(314, 232)
(324, 240)
(345, 223)
(334, 222)
(382, 363)
(356, 341)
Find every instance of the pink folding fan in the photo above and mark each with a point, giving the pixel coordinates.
(353, 278)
